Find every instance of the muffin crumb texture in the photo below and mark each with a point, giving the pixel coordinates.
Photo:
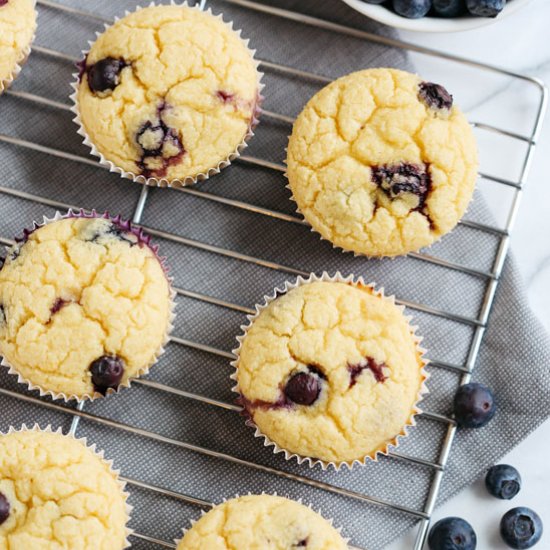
(17, 26)
(381, 163)
(330, 371)
(168, 92)
(60, 495)
(82, 293)
(262, 522)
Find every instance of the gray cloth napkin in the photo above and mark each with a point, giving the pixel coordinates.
(514, 358)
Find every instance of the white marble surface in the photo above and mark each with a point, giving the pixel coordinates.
(519, 42)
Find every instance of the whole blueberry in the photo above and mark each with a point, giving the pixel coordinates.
(521, 528)
(4, 508)
(107, 372)
(474, 405)
(413, 9)
(303, 388)
(449, 8)
(105, 74)
(503, 481)
(452, 534)
(485, 8)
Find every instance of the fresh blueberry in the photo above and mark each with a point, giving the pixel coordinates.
(474, 405)
(107, 372)
(521, 528)
(485, 8)
(303, 388)
(503, 481)
(449, 8)
(105, 74)
(413, 9)
(452, 534)
(4, 508)
(435, 96)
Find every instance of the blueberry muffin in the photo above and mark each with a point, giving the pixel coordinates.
(258, 522)
(85, 305)
(382, 163)
(55, 493)
(168, 93)
(330, 371)
(17, 26)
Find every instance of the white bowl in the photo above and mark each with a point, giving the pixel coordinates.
(431, 24)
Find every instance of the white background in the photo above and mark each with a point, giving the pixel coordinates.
(520, 42)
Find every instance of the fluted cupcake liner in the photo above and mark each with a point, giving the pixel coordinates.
(263, 493)
(5, 83)
(353, 281)
(100, 454)
(163, 181)
(143, 239)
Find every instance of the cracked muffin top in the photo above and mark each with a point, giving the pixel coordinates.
(382, 163)
(262, 522)
(17, 26)
(55, 493)
(330, 371)
(85, 305)
(168, 92)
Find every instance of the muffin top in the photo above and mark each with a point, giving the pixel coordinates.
(17, 26)
(52, 489)
(168, 92)
(84, 306)
(382, 163)
(330, 371)
(261, 522)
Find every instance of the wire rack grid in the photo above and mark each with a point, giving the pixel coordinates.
(490, 277)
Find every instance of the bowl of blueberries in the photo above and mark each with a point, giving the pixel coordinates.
(436, 15)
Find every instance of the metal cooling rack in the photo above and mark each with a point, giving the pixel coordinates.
(478, 323)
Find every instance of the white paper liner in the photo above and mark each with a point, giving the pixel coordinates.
(354, 281)
(143, 238)
(263, 493)
(100, 454)
(25, 53)
(163, 181)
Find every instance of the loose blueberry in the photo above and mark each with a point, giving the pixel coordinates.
(370, 364)
(452, 534)
(503, 481)
(521, 528)
(105, 74)
(435, 96)
(396, 179)
(474, 405)
(485, 8)
(107, 372)
(413, 9)
(303, 388)
(449, 8)
(4, 508)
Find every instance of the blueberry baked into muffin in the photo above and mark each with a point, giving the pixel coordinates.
(168, 94)
(258, 522)
(85, 305)
(17, 26)
(382, 163)
(56, 493)
(330, 371)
